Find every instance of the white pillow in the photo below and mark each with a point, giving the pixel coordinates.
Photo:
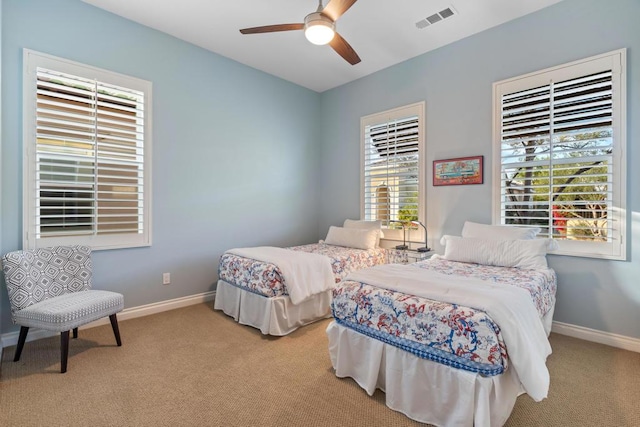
(366, 225)
(552, 245)
(525, 254)
(444, 239)
(498, 232)
(351, 237)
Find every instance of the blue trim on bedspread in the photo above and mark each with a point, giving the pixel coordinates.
(424, 351)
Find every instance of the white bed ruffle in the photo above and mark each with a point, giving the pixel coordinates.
(273, 316)
(423, 390)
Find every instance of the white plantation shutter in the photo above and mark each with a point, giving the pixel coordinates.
(561, 138)
(393, 165)
(87, 142)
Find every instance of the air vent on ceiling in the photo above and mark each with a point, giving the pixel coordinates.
(436, 17)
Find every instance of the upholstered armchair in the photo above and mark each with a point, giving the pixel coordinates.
(50, 288)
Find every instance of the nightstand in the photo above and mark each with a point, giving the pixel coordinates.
(415, 256)
(408, 256)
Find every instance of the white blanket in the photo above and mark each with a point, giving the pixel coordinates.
(304, 273)
(509, 306)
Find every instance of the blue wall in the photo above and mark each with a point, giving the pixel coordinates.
(234, 150)
(456, 82)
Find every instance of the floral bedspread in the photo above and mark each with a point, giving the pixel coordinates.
(451, 334)
(266, 279)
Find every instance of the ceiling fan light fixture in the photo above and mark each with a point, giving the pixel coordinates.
(318, 28)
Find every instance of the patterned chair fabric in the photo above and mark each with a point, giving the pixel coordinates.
(69, 311)
(35, 275)
(50, 288)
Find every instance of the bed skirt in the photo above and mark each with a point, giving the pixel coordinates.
(423, 390)
(273, 316)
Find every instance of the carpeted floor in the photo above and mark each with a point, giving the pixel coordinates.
(197, 367)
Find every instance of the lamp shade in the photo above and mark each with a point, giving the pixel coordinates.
(318, 29)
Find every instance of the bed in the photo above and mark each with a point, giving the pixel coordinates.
(277, 290)
(450, 341)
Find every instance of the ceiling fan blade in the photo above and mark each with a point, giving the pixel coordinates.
(335, 8)
(344, 49)
(272, 28)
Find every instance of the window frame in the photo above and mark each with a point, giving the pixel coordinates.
(416, 109)
(33, 60)
(616, 61)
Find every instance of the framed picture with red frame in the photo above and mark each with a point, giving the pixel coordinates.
(458, 171)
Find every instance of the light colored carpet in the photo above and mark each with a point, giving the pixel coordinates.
(196, 367)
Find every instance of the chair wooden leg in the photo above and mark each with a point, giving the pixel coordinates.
(116, 331)
(21, 339)
(64, 351)
(75, 333)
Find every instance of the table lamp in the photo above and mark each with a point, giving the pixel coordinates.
(425, 248)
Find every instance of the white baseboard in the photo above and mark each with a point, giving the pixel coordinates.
(607, 338)
(11, 338)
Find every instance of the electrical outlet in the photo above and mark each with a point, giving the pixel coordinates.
(166, 278)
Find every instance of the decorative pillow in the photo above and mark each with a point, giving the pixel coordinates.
(366, 225)
(525, 254)
(351, 237)
(498, 232)
(444, 239)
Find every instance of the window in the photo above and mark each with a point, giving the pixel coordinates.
(393, 167)
(87, 155)
(560, 137)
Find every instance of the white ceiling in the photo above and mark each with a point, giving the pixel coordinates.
(382, 32)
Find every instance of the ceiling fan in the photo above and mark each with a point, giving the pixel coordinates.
(319, 28)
